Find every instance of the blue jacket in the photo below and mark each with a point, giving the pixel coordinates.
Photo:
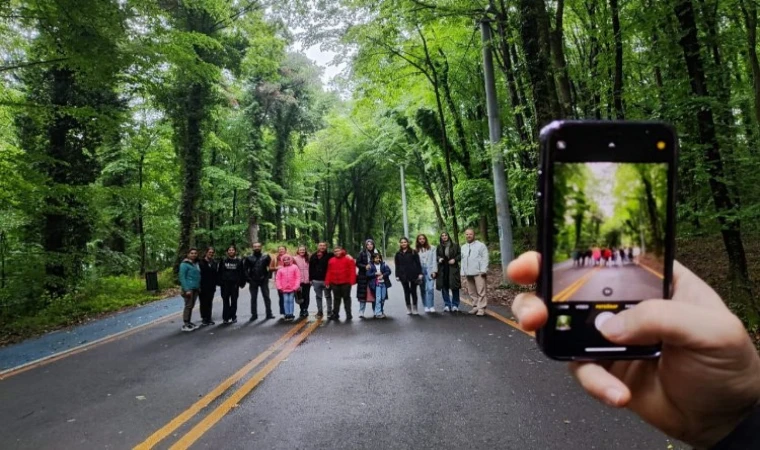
(372, 275)
(189, 276)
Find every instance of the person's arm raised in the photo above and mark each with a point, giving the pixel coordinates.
(707, 380)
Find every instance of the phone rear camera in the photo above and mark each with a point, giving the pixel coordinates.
(611, 145)
(561, 145)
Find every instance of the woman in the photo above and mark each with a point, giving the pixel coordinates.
(276, 264)
(408, 273)
(447, 276)
(302, 262)
(190, 281)
(363, 263)
(231, 278)
(209, 268)
(429, 267)
(288, 281)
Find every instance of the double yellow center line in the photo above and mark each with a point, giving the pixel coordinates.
(565, 294)
(232, 401)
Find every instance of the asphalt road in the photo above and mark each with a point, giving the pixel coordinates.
(428, 381)
(614, 283)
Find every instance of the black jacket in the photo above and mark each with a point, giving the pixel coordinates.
(256, 267)
(209, 275)
(408, 266)
(318, 266)
(231, 271)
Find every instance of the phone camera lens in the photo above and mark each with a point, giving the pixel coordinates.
(611, 145)
(561, 145)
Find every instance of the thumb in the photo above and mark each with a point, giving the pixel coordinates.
(671, 322)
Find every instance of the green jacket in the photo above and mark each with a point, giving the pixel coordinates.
(189, 276)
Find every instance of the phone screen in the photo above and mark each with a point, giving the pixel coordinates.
(609, 231)
(607, 226)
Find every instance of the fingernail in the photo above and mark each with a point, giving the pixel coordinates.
(613, 327)
(612, 396)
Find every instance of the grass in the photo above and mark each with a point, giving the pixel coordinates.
(94, 299)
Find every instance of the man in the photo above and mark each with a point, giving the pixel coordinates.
(474, 269)
(317, 273)
(341, 275)
(256, 269)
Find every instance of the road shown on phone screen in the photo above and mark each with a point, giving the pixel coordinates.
(628, 282)
(432, 381)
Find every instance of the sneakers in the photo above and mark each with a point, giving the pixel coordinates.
(225, 321)
(408, 310)
(414, 310)
(253, 318)
(333, 317)
(210, 322)
(320, 314)
(431, 310)
(455, 309)
(481, 312)
(474, 311)
(380, 316)
(270, 316)
(188, 327)
(234, 320)
(446, 309)
(361, 317)
(349, 317)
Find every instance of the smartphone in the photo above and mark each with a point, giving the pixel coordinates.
(606, 212)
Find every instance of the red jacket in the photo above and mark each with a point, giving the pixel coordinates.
(340, 270)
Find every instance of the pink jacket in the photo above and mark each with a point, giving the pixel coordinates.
(288, 278)
(303, 266)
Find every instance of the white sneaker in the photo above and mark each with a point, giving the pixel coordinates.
(414, 310)
(187, 327)
(408, 311)
(455, 309)
(446, 309)
(432, 310)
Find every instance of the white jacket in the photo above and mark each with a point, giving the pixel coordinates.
(428, 261)
(474, 259)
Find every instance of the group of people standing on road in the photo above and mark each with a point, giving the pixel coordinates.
(605, 257)
(332, 274)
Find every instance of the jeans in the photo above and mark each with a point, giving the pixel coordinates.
(342, 292)
(289, 302)
(447, 300)
(381, 292)
(254, 286)
(230, 292)
(189, 297)
(319, 290)
(427, 289)
(410, 290)
(305, 292)
(206, 300)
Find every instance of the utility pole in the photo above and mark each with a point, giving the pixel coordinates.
(497, 158)
(403, 201)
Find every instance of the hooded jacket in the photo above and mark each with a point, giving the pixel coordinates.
(340, 270)
(474, 259)
(288, 278)
(231, 271)
(189, 275)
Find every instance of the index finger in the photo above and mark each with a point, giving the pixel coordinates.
(525, 269)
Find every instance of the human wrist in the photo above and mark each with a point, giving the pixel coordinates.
(737, 432)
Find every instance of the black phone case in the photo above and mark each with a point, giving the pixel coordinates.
(597, 132)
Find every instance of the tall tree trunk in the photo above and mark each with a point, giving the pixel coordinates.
(191, 154)
(464, 150)
(141, 213)
(593, 61)
(749, 10)
(617, 85)
(537, 55)
(727, 214)
(560, 63)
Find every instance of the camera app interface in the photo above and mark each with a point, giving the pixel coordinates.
(609, 233)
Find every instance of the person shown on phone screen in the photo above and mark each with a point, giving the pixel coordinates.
(474, 269)
(705, 387)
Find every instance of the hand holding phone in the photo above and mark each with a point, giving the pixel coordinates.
(606, 230)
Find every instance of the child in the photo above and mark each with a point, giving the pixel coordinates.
(378, 277)
(288, 281)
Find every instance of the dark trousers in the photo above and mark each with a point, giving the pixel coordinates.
(282, 302)
(207, 300)
(254, 287)
(341, 292)
(305, 292)
(410, 290)
(230, 292)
